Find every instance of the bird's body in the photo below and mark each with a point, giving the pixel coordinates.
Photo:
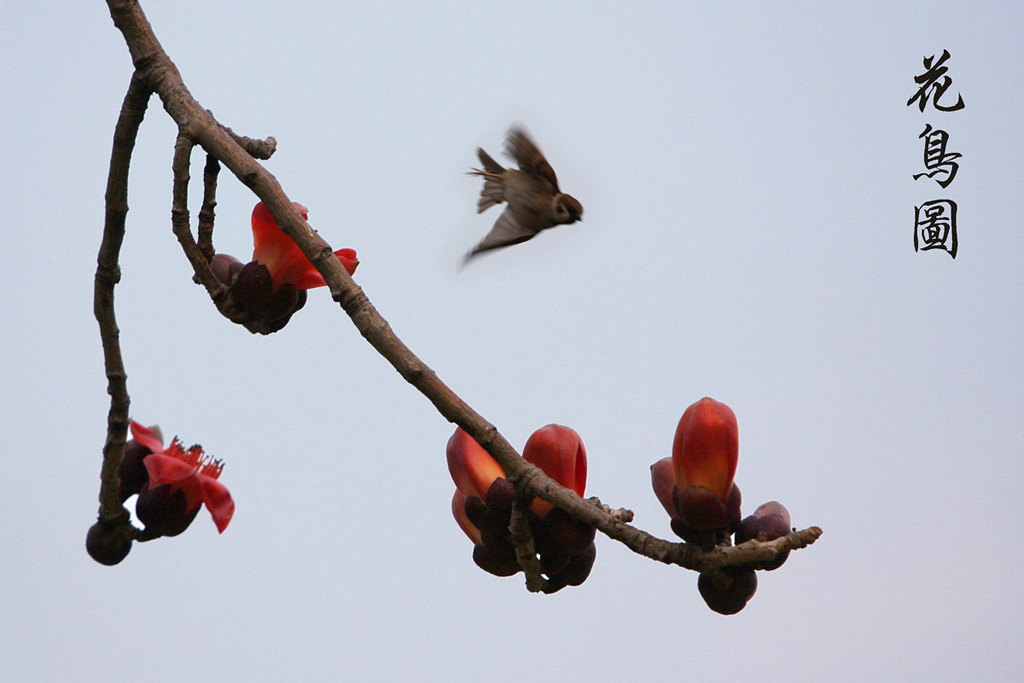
(530, 192)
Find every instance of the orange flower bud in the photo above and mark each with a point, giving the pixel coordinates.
(559, 452)
(706, 448)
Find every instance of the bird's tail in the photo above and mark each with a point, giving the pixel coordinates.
(493, 191)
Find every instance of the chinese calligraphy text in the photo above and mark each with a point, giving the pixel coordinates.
(935, 220)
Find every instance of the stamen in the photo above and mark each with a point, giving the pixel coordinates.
(212, 468)
(195, 458)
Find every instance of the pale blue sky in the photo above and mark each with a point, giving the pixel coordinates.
(746, 171)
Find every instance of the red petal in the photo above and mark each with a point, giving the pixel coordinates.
(472, 468)
(163, 469)
(282, 256)
(348, 259)
(276, 250)
(146, 437)
(218, 501)
(310, 277)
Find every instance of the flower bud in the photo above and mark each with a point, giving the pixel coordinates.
(706, 448)
(769, 522)
(105, 545)
(472, 468)
(559, 452)
(728, 590)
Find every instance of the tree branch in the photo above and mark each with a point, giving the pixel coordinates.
(155, 69)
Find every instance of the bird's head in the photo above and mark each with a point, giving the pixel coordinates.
(567, 209)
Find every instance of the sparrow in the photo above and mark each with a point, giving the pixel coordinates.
(533, 200)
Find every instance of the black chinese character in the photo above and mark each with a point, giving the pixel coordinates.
(936, 159)
(935, 226)
(929, 81)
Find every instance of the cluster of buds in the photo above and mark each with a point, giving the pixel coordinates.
(483, 501)
(170, 484)
(273, 285)
(695, 486)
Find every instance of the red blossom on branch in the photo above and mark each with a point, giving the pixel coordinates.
(181, 480)
(559, 452)
(283, 258)
(706, 447)
(483, 500)
(475, 472)
(273, 285)
(696, 484)
(472, 468)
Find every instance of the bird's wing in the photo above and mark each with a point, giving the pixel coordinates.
(520, 147)
(506, 232)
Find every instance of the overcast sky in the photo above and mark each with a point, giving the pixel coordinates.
(746, 171)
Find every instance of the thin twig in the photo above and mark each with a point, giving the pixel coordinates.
(108, 273)
(257, 149)
(206, 212)
(180, 225)
(522, 541)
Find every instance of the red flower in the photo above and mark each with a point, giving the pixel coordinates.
(559, 452)
(564, 543)
(706, 448)
(472, 468)
(272, 287)
(283, 258)
(474, 471)
(190, 478)
(483, 500)
(704, 502)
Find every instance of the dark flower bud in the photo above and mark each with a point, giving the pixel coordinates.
(496, 556)
(769, 522)
(499, 499)
(133, 474)
(164, 510)
(575, 572)
(728, 591)
(225, 268)
(105, 545)
(561, 533)
(701, 518)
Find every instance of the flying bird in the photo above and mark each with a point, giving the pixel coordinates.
(533, 200)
